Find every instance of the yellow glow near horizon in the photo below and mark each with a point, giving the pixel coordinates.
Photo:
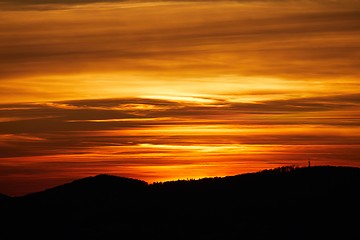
(198, 90)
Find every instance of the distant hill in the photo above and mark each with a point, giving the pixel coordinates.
(86, 192)
(283, 203)
(3, 197)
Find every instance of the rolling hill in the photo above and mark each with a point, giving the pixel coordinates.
(3, 197)
(282, 203)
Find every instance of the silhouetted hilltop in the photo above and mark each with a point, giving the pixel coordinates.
(88, 191)
(4, 197)
(282, 203)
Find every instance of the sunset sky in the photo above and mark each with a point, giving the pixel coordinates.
(167, 90)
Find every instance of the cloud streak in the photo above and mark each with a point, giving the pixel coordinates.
(92, 52)
(171, 132)
(301, 37)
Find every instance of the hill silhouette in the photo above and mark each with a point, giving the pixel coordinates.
(4, 197)
(282, 203)
(87, 192)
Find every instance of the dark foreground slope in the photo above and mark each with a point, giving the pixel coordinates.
(3, 197)
(283, 203)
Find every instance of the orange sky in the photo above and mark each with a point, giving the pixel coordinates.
(160, 90)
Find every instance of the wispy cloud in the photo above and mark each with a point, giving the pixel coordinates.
(79, 127)
(92, 52)
(292, 42)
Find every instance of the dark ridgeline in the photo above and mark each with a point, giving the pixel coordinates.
(283, 203)
(3, 197)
